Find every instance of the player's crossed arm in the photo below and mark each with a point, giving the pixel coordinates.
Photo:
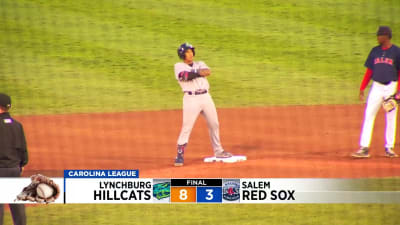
(205, 72)
(187, 76)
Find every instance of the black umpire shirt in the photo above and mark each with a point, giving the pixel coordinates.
(13, 151)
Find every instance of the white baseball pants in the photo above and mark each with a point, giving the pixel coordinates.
(193, 105)
(377, 94)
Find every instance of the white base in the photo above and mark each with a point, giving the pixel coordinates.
(233, 159)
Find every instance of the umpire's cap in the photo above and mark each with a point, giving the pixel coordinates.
(384, 30)
(5, 101)
(183, 48)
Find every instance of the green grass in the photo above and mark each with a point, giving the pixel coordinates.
(103, 56)
(307, 214)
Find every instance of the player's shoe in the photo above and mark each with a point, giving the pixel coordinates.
(389, 152)
(363, 152)
(179, 156)
(223, 154)
(179, 160)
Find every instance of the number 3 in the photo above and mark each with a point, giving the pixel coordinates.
(210, 196)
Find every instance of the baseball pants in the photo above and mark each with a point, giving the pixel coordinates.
(193, 105)
(377, 94)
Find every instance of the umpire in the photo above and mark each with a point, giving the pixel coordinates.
(13, 154)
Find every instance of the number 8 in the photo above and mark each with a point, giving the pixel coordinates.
(183, 194)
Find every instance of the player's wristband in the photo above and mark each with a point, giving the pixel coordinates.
(193, 75)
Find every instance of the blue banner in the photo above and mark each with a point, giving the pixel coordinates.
(101, 173)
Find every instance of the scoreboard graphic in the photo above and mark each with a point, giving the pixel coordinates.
(125, 186)
(196, 190)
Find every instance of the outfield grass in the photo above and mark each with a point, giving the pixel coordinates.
(213, 214)
(97, 56)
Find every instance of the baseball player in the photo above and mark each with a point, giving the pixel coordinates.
(383, 67)
(13, 154)
(192, 77)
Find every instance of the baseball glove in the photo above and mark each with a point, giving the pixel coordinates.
(389, 104)
(29, 193)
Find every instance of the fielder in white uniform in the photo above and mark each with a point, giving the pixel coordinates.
(191, 77)
(383, 66)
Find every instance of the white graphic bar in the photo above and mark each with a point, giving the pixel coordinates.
(11, 187)
(108, 190)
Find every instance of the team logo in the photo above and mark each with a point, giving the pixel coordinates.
(231, 190)
(162, 190)
(7, 120)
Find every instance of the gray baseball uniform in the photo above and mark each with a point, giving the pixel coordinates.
(197, 100)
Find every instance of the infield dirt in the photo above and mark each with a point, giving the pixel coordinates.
(290, 141)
